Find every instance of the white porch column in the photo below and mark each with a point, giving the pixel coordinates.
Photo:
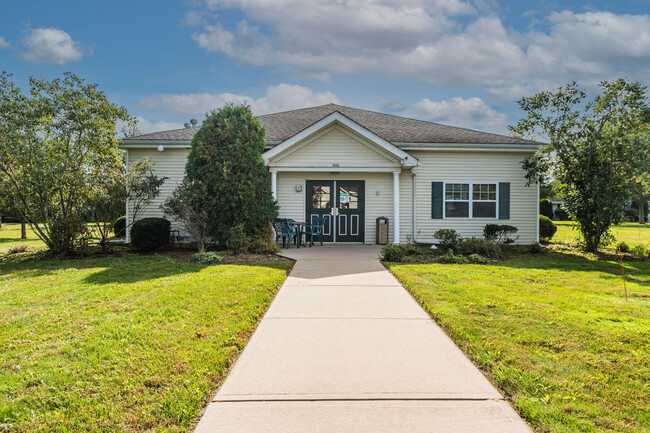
(396, 232)
(274, 182)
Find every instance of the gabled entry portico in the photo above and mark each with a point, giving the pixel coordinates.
(357, 171)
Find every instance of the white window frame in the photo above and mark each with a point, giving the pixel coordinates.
(470, 201)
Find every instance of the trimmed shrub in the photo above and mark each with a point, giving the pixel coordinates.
(449, 239)
(499, 233)
(119, 227)
(478, 259)
(546, 208)
(546, 228)
(561, 215)
(237, 239)
(264, 243)
(451, 258)
(392, 253)
(480, 246)
(207, 258)
(149, 234)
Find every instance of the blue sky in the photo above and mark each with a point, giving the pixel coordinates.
(462, 63)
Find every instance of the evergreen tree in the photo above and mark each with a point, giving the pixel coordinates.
(226, 156)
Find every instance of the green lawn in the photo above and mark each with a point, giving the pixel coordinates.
(553, 332)
(10, 236)
(631, 233)
(130, 343)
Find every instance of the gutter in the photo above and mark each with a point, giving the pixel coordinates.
(409, 144)
(172, 144)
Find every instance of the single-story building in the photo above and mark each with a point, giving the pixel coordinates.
(353, 166)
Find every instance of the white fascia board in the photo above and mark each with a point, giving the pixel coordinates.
(504, 147)
(336, 169)
(474, 149)
(394, 166)
(407, 160)
(154, 144)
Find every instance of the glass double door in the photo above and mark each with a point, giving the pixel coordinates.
(342, 204)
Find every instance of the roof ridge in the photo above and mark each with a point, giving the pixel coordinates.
(299, 109)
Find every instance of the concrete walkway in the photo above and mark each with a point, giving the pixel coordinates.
(344, 348)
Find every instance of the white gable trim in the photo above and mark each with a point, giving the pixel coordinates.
(336, 117)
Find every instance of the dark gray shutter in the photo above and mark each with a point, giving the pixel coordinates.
(436, 200)
(504, 200)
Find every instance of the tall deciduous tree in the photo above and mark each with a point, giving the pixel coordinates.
(226, 157)
(53, 145)
(640, 183)
(593, 150)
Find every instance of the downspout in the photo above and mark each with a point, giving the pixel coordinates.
(127, 213)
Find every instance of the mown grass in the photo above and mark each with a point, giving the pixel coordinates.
(631, 233)
(10, 237)
(553, 332)
(129, 343)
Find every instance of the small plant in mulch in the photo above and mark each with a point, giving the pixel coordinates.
(207, 258)
(17, 249)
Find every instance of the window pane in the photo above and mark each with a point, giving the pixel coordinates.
(348, 197)
(485, 209)
(457, 191)
(457, 209)
(484, 191)
(320, 197)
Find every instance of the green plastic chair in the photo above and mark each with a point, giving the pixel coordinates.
(285, 231)
(314, 229)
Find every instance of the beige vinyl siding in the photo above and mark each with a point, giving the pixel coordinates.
(334, 145)
(292, 202)
(168, 163)
(406, 206)
(475, 167)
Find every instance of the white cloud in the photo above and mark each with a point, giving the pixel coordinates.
(425, 40)
(469, 113)
(3, 44)
(50, 45)
(145, 126)
(282, 97)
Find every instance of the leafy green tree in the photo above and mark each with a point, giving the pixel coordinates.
(54, 146)
(640, 182)
(114, 187)
(190, 204)
(226, 156)
(593, 150)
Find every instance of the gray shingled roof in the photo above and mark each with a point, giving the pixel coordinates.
(395, 129)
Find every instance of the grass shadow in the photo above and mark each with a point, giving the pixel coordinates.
(123, 268)
(114, 269)
(636, 271)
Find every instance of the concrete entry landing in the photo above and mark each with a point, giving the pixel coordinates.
(343, 347)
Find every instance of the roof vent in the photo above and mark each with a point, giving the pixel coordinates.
(187, 125)
(194, 122)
